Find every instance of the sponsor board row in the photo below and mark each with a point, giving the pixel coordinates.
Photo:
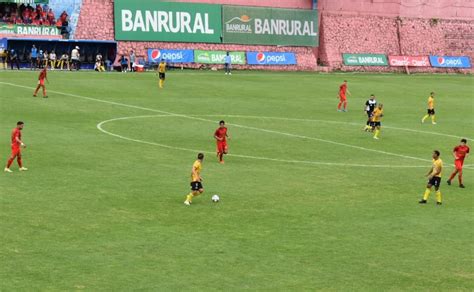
(402, 61)
(156, 20)
(217, 57)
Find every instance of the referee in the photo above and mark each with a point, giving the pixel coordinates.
(227, 64)
(370, 105)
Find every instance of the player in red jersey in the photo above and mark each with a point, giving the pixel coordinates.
(221, 136)
(342, 96)
(460, 153)
(41, 78)
(16, 148)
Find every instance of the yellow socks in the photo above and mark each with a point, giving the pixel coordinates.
(189, 198)
(438, 196)
(161, 83)
(427, 194)
(424, 118)
(433, 120)
(377, 132)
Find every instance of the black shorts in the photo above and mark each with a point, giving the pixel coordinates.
(376, 124)
(196, 186)
(162, 76)
(369, 114)
(431, 112)
(435, 181)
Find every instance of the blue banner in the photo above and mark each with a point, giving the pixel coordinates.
(170, 56)
(271, 58)
(450, 61)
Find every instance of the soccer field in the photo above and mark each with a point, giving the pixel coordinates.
(309, 201)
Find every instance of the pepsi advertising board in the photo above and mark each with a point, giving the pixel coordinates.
(170, 56)
(450, 62)
(271, 58)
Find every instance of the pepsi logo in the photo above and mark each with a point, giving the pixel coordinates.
(260, 57)
(155, 55)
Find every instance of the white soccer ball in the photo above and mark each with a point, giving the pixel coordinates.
(215, 198)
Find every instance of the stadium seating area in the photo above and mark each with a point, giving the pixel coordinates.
(12, 13)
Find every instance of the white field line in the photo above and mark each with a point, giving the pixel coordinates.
(212, 121)
(101, 124)
(332, 122)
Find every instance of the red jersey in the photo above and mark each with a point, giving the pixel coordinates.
(42, 75)
(221, 133)
(16, 133)
(343, 89)
(461, 151)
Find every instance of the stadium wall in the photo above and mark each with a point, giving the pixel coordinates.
(96, 22)
(397, 27)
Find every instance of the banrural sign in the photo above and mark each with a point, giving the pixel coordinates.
(365, 60)
(18, 29)
(269, 26)
(145, 20)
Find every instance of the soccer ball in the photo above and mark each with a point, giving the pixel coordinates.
(215, 198)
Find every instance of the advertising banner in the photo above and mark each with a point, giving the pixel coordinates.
(365, 60)
(154, 20)
(269, 26)
(271, 58)
(170, 56)
(411, 61)
(19, 29)
(450, 61)
(217, 57)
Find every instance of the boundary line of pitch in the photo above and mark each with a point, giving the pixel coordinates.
(235, 125)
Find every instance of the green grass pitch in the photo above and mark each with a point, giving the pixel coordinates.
(309, 201)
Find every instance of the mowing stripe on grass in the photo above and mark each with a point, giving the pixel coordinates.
(235, 125)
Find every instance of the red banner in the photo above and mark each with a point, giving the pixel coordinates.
(411, 61)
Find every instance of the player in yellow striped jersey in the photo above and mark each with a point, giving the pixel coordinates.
(196, 180)
(377, 115)
(161, 72)
(434, 179)
(431, 110)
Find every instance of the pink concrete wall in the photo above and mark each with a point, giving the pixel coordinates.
(374, 34)
(96, 20)
(347, 26)
(302, 4)
(445, 9)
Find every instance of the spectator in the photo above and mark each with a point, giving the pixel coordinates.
(3, 58)
(124, 64)
(132, 59)
(12, 13)
(99, 66)
(108, 65)
(14, 59)
(64, 60)
(75, 58)
(45, 59)
(34, 57)
(65, 28)
(52, 60)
